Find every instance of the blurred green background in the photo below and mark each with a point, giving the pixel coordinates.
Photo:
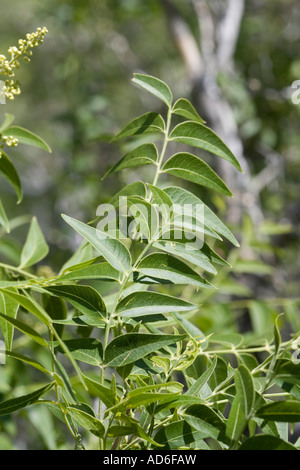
(76, 93)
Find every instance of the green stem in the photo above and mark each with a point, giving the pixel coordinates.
(18, 270)
(163, 151)
(141, 255)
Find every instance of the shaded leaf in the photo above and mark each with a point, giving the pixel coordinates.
(262, 442)
(85, 298)
(204, 419)
(170, 270)
(179, 434)
(87, 421)
(134, 189)
(184, 107)
(282, 411)
(100, 391)
(149, 123)
(88, 350)
(15, 404)
(129, 348)
(145, 154)
(9, 172)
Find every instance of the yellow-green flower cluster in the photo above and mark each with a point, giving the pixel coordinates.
(22, 52)
(7, 140)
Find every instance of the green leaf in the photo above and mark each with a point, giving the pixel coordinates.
(131, 426)
(102, 271)
(25, 329)
(189, 327)
(84, 254)
(204, 419)
(134, 189)
(145, 154)
(155, 86)
(100, 391)
(85, 298)
(197, 135)
(227, 339)
(170, 270)
(27, 137)
(92, 319)
(144, 303)
(30, 304)
(9, 307)
(262, 442)
(87, 421)
(277, 336)
(179, 434)
(196, 387)
(174, 387)
(244, 389)
(146, 218)
(29, 361)
(149, 123)
(182, 197)
(184, 107)
(9, 172)
(109, 247)
(129, 348)
(88, 350)
(192, 168)
(35, 248)
(15, 404)
(236, 422)
(8, 119)
(144, 399)
(191, 254)
(188, 228)
(164, 203)
(56, 308)
(180, 400)
(282, 411)
(3, 218)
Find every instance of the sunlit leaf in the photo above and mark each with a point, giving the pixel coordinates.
(191, 168)
(155, 86)
(198, 135)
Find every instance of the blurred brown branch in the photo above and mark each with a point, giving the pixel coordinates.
(205, 59)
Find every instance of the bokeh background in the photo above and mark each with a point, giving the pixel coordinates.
(236, 61)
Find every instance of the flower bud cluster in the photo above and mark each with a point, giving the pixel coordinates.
(22, 52)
